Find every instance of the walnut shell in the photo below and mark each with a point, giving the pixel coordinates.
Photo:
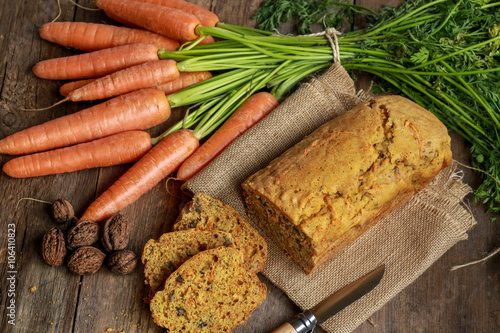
(86, 260)
(115, 233)
(82, 234)
(122, 262)
(62, 211)
(53, 247)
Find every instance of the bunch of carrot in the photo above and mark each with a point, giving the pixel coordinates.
(123, 64)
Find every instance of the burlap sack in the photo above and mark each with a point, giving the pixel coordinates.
(407, 242)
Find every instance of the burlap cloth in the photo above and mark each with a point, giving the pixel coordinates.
(407, 242)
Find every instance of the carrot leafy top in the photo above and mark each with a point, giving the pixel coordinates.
(443, 54)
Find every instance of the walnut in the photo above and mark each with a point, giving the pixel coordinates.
(62, 211)
(115, 233)
(82, 234)
(86, 260)
(122, 262)
(53, 247)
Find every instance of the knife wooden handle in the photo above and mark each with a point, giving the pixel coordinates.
(285, 328)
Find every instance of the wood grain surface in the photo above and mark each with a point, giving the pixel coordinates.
(46, 299)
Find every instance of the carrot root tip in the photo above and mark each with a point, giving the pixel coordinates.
(167, 181)
(85, 8)
(59, 11)
(32, 199)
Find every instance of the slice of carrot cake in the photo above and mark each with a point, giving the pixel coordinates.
(211, 292)
(162, 257)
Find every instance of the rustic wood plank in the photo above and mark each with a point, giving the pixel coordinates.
(51, 306)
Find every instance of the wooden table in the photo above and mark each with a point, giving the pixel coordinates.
(49, 299)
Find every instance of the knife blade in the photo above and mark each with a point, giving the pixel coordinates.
(306, 321)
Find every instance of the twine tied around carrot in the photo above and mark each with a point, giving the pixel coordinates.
(334, 42)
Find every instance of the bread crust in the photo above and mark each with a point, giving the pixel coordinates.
(339, 181)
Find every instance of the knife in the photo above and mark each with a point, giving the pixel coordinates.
(306, 321)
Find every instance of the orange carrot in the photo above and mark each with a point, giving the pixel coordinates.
(134, 111)
(184, 80)
(147, 75)
(207, 40)
(66, 88)
(122, 21)
(206, 17)
(97, 63)
(248, 114)
(124, 147)
(92, 36)
(158, 163)
(173, 23)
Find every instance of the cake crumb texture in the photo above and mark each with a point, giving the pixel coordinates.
(163, 256)
(207, 213)
(211, 292)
